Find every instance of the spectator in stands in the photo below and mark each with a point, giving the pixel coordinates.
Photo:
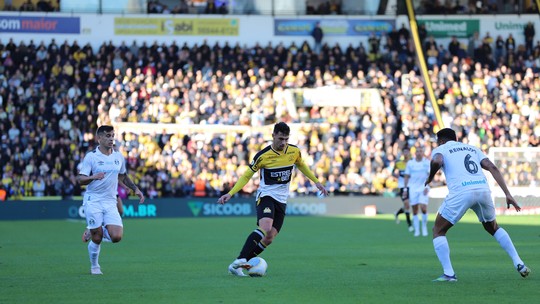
(44, 6)
(38, 187)
(3, 193)
(250, 93)
(510, 44)
(318, 35)
(454, 46)
(529, 33)
(27, 6)
(422, 33)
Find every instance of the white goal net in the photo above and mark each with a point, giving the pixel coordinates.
(520, 168)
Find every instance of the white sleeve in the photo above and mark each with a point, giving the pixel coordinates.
(86, 167)
(481, 155)
(123, 162)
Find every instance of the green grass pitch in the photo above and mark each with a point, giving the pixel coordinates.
(313, 260)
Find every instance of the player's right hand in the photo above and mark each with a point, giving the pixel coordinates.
(98, 176)
(224, 198)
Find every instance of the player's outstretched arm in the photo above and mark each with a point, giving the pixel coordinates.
(322, 189)
(224, 198)
(309, 174)
(434, 166)
(490, 166)
(242, 181)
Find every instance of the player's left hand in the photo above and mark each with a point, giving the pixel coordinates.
(511, 201)
(140, 195)
(321, 188)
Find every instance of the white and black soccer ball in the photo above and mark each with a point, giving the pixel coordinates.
(258, 267)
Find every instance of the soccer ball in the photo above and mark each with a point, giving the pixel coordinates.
(258, 267)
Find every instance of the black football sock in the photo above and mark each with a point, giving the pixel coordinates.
(408, 216)
(400, 211)
(253, 239)
(258, 250)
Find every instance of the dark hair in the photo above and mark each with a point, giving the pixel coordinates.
(446, 134)
(104, 129)
(282, 127)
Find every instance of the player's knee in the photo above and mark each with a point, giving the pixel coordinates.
(96, 238)
(97, 235)
(491, 227)
(116, 238)
(268, 238)
(437, 231)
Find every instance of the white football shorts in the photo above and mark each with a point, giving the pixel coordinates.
(418, 197)
(101, 213)
(456, 205)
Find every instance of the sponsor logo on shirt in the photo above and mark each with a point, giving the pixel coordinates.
(281, 175)
(474, 182)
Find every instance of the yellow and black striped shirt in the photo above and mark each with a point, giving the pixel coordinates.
(276, 170)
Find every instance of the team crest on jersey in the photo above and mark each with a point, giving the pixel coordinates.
(116, 162)
(267, 210)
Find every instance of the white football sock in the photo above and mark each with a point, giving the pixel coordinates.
(93, 252)
(106, 236)
(442, 250)
(424, 222)
(506, 243)
(416, 223)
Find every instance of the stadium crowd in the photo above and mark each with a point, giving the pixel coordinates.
(54, 95)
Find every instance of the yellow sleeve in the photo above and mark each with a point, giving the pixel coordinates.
(242, 181)
(306, 171)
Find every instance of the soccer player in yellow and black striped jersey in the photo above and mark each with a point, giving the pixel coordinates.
(276, 164)
(399, 170)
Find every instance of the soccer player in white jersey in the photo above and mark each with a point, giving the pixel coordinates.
(101, 171)
(462, 165)
(416, 172)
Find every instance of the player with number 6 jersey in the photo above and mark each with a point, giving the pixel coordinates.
(461, 167)
(468, 189)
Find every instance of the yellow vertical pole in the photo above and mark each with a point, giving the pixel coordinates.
(421, 61)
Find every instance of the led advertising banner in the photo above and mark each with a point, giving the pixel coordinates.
(176, 26)
(448, 28)
(44, 25)
(332, 27)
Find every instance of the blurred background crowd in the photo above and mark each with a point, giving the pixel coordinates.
(54, 94)
(311, 7)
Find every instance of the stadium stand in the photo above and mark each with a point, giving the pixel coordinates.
(53, 95)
